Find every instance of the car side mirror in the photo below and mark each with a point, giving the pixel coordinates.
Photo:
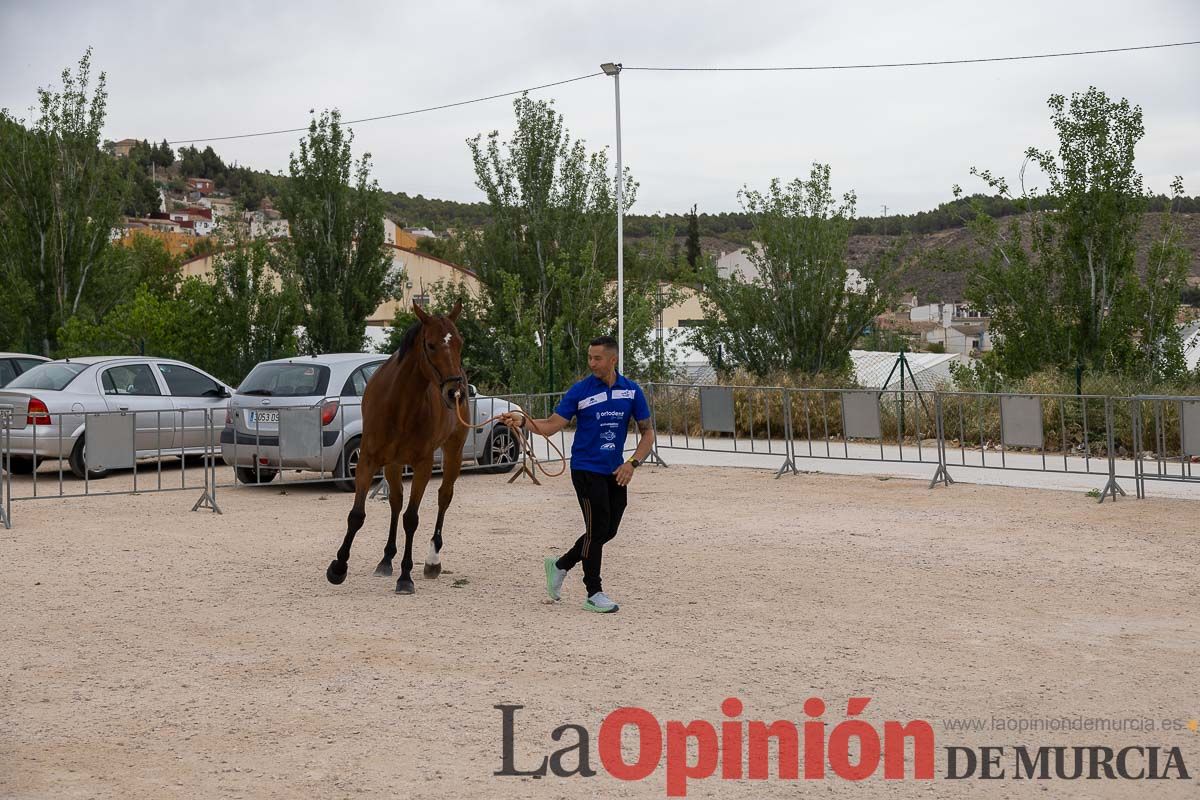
(224, 393)
(471, 390)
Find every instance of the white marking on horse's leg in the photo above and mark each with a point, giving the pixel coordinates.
(434, 556)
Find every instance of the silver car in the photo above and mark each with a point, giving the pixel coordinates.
(307, 395)
(171, 402)
(13, 364)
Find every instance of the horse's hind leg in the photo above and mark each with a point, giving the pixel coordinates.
(394, 474)
(336, 571)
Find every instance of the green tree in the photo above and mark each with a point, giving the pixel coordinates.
(693, 239)
(481, 356)
(141, 193)
(191, 163)
(336, 250)
(255, 310)
(1068, 290)
(141, 154)
(147, 324)
(164, 156)
(60, 198)
(447, 248)
(141, 261)
(549, 248)
(797, 315)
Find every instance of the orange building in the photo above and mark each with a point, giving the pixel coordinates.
(177, 243)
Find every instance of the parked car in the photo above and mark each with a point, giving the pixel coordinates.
(167, 398)
(13, 364)
(328, 389)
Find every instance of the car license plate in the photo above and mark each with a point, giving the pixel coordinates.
(262, 417)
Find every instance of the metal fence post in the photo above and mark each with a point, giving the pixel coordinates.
(942, 475)
(6, 464)
(789, 463)
(654, 457)
(208, 496)
(1111, 487)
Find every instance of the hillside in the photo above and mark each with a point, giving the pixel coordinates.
(922, 277)
(941, 228)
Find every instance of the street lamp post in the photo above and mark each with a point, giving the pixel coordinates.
(615, 71)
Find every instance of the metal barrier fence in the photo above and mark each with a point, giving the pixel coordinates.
(1143, 439)
(1135, 438)
(89, 445)
(279, 445)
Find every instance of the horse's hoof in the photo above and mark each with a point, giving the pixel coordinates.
(432, 570)
(384, 570)
(405, 586)
(336, 573)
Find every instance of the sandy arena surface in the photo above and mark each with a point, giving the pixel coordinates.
(153, 652)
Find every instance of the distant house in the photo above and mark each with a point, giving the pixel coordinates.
(394, 234)
(422, 271)
(191, 214)
(739, 262)
(177, 240)
(202, 185)
(221, 206)
(262, 225)
(121, 149)
(420, 233)
(962, 338)
(946, 313)
(1190, 333)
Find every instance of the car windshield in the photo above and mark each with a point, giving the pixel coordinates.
(286, 380)
(54, 376)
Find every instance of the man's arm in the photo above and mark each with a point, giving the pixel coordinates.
(646, 440)
(547, 426)
(624, 472)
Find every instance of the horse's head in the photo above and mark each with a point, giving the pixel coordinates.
(440, 356)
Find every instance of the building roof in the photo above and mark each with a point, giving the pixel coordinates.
(423, 254)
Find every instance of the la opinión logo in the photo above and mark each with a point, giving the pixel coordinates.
(853, 749)
(737, 748)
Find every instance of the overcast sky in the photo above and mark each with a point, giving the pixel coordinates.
(899, 137)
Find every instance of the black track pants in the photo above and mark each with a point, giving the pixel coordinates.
(602, 502)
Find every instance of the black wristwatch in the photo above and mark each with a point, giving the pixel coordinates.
(633, 462)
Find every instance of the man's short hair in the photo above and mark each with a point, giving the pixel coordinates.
(605, 341)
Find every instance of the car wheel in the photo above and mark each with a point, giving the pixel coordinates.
(76, 462)
(22, 465)
(502, 450)
(347, 465)
(252, 476)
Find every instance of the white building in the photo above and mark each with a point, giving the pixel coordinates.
(962, 338)
(739, 262)
(1190, 332)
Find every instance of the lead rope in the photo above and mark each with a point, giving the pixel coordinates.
(520, 432)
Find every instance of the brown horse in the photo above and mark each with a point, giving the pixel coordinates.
(409, 410)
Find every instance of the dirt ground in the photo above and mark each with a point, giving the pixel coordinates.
(153, 652)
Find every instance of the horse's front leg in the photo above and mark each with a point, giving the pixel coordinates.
(451, 467)
(421, 474)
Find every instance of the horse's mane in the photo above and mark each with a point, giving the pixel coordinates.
(406, 342)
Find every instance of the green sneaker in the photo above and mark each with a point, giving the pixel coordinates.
(600, 603)
(554, 578)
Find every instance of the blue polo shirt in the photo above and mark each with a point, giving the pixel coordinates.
(603, 413)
